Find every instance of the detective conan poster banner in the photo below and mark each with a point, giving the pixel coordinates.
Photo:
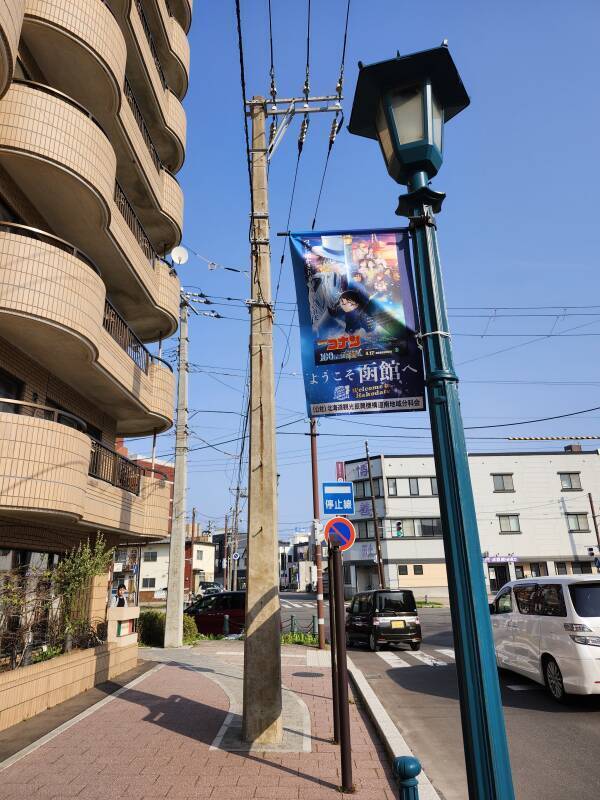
(357, 311)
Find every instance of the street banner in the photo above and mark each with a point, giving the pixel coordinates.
(357, 312)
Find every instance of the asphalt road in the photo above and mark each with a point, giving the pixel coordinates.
(303, 607)
(554, 749)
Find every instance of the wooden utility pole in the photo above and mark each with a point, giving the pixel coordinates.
(375, 523)
(236, 522)
(262, 650)
(317, 544)
(226, 580)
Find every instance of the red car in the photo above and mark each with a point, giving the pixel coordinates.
(209, 612)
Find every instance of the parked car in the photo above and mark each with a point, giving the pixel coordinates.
(209, 612)
(549, 630)
(383, 616)
(209, 587)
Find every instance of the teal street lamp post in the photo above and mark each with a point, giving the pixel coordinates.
(404, 103)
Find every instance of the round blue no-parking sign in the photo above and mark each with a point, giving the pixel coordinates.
(340, 532)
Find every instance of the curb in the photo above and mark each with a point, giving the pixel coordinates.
(392, 739)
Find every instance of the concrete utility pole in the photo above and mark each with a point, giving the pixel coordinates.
(262, 650)
(236, 522)
(174, 617)
(375, 523)
(316, 529)
(595, 519)
(226, 578)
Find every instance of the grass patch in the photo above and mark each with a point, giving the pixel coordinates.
(299, 638)
(429, 604)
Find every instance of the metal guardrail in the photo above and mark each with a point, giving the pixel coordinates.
(9, 405)
(120, 331)
(141, 123)
(134, 224)
(150, 40)
(108, 465)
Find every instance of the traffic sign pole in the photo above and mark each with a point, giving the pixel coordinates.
(342, 671)
(332, 637)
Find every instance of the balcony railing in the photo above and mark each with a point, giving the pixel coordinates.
(139, 118)
(123, 335)
(109, 466)
(9, 405)
(135, 226)
(151, 44)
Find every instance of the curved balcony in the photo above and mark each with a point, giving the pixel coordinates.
(146, 74)
(53, 306)
(81, 51)
(181, 10)
(47, 139)
(51, 471)
(11, 19)
(43, 464)
(172, 46)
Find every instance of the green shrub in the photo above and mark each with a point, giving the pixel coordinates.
(190, 631)
(299, 638)
(151, 628)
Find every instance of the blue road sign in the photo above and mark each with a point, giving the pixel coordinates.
(338, 498)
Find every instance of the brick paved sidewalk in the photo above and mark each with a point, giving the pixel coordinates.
(154, 741)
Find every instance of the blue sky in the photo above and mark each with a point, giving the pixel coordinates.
(517, 230)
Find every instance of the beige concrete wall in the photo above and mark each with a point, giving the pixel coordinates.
(434, 575)
(11, 19)
(98, 598)
(145, 514)
(43, 466)
(168, 289)
(178, 41)
(172, 199)
(30, 690)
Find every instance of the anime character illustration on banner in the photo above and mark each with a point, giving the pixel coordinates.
(357, 312)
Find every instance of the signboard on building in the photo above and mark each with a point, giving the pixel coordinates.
(340, 471)
(358, 322)
(501, 559)
(338, 498)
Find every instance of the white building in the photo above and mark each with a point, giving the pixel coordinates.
(534, 516)
(154, 567)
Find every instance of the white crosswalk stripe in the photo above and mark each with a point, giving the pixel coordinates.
(446, 651)
(429, 660)
(393, 660)
(289, 604)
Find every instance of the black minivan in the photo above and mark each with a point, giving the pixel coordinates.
(383, 616)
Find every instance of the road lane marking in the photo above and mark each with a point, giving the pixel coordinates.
(429, 660)
(393, 660)
(446, 651)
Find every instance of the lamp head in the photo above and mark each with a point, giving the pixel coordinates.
(404, 102)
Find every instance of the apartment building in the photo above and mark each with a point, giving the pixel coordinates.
(92, 134)
(535, 515)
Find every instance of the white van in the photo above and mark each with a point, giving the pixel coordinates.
(549, 630)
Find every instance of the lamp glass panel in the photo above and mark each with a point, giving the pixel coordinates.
(438, 121)
(407, 112)
(383, 132)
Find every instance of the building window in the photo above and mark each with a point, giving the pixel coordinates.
(418, 569)
(581, 567)
(199, 554)
(365, 529)
(577, 522)
(347, 575)
(519, 573)
(362, 489)
(148, 583)
(413, 487)
(570, 481)
(560, 567)
(428, 528)
(503, 483)
(509, 523)
(434, 489)
(150, 555)
(402, 569)
(538, 569)
(392, 489)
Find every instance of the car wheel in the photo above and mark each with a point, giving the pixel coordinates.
(415, 645)
(373, 644)
(554, 680)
